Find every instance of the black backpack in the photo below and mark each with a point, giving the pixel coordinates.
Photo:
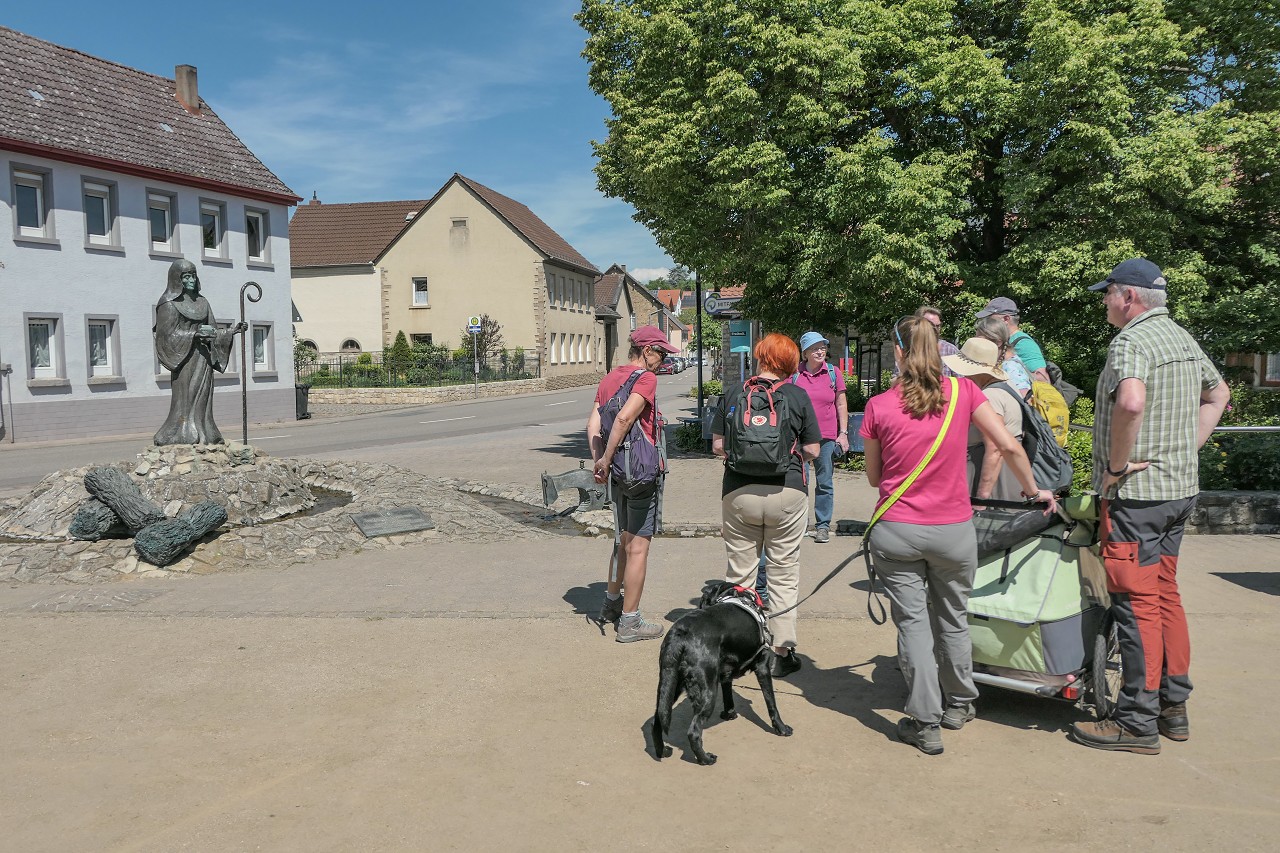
(1050, 464)
(758, 442)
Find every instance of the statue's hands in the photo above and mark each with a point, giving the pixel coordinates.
(207, 333)
(242, 326)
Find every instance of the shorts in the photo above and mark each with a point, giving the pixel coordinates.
(637, 512)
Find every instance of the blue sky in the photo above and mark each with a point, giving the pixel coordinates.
(379, 100)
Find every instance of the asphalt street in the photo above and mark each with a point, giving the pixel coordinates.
(25, 464)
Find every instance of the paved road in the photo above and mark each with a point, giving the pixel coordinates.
(23, 465)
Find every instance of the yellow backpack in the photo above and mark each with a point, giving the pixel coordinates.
(1051, 405)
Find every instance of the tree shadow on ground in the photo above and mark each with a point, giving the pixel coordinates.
(571, 445)
(1268, 582)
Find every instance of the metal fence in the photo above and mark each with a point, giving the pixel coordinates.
(378, 370)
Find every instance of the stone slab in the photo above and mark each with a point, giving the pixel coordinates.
(387, 522)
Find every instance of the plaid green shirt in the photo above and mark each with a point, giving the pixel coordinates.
(1153, 348)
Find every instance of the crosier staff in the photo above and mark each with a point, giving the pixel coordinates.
(244, 362)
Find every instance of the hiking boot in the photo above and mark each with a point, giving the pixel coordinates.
(956, 716)
(1172, 722)
(822, 534)
(783, 665)
(926, 738)
(636, 628)
(611, 611)
(1110, 735)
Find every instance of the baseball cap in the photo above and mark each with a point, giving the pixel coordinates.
(999, 305)
(651, 336)
(978, 356)
(1135, 272)
(808, 339)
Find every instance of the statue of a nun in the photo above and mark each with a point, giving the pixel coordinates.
(192, 347)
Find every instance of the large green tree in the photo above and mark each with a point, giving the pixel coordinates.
(851, 159)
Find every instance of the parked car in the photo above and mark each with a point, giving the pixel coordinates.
(668, 366)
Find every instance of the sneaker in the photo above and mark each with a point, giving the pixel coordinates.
(783, 665)
(631, 630)
(926, 738)
(611, 611)
(956, 716)
(822, 534)
(1110, 735)
(1172, 722)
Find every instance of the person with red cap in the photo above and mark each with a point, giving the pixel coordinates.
(636, 513)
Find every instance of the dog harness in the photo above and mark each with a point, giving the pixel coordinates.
(749, 600)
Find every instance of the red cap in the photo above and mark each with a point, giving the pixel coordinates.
(650, 336)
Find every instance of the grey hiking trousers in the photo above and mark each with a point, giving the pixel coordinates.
(927, 572)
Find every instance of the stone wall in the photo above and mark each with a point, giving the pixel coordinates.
(1236, 512)
(425, 396)
(576, 380)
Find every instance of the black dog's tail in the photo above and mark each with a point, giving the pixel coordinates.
(668, 691)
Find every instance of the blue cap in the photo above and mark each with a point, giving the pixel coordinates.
(808, 339)
(1136, 272)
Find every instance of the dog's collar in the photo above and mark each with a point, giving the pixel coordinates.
(752, 593)
(749, 600)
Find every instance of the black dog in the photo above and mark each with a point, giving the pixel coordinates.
(716, 643)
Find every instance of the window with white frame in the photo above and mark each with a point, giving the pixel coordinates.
(32, 203)
(1271, 371)
(162, 213)
(101, 343)
(564, 349)
(551, 347)
(99, 200)
(351, 345)
(213, 221)
(633, 322)
(420, 292)
(262, 346)
(44, 344)
(256, 235)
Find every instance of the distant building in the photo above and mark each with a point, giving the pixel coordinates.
(363, 272)
(622, 304)
(110, 174)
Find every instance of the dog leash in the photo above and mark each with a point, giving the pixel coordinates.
(865, 550)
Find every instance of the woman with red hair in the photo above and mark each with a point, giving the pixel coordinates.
(771, 430)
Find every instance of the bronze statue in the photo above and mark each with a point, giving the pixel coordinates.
(192, 347)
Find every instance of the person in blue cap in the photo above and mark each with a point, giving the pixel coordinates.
(825, 386)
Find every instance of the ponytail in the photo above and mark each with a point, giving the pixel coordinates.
(921, 367)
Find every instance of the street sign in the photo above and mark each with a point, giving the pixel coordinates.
(473, 325)
(711, 303)
(474, 330)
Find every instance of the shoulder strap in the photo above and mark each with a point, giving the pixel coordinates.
(831, 373)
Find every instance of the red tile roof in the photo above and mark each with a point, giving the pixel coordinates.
(670, 298)
(528, 224)
(322, 235)
(608, 288)
(55, 100)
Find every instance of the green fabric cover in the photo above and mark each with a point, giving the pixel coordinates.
(1042, 583)
(1000, 643)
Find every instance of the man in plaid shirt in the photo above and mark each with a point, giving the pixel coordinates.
(1158, 399)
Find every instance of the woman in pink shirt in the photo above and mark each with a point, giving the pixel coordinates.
(924, 546)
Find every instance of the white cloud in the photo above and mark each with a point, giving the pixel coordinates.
(645, 274)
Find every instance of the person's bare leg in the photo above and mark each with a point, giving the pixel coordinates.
(636, 549)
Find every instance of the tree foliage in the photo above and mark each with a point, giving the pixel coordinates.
(489, 340)
(849, 160)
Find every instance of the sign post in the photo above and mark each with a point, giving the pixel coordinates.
(473, 327)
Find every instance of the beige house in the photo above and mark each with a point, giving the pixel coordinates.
(621, 305)
(468, 251)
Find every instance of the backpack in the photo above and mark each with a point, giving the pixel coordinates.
(1070, 393)
(831, 374)
(639, 461)
(1050, 464)
(756, 427)
(1051, 406)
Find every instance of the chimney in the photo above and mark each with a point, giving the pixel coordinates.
(314, 200)
(622, 267)
(184, 76)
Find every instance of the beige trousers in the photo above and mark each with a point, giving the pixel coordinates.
(767, 520)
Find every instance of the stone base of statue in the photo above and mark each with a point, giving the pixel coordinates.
(249, 485)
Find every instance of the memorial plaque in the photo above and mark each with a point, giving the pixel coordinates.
(387, 522)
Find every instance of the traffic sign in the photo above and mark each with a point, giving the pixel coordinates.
(474, 330)
(473, 325)
(711, 303)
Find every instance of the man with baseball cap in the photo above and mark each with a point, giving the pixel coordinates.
(1158, 399)
(1024, 345)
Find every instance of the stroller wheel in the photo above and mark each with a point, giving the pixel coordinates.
(1105, 676)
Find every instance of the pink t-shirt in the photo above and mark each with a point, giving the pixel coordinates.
(823, 396)
(646, 386)
(940, 495)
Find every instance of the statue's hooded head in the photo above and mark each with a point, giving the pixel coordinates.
(174, 287)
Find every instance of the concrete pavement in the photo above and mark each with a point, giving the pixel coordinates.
(454, 697)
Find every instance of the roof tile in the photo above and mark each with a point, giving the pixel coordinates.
(338, 234)
(101, 109)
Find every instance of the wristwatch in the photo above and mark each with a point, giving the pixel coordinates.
(1119, 473)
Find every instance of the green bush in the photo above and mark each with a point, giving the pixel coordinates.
(1080, 446)
(710, 388)
(1251, 461)
(853, 462)
(689, 437)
